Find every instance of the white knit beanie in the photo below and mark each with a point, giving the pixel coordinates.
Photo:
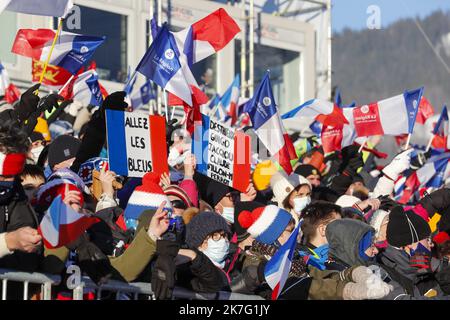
(346, 201)
(282, 184)
(377, 219)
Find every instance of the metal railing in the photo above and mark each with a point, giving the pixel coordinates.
(45, 280)
(131, 290)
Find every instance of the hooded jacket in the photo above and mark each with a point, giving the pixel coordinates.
(344, 236)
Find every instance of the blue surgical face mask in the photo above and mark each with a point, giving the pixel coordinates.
(217, 251)
(228, 214)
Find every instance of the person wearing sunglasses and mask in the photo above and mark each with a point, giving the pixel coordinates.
(205, 265)
(179, 199)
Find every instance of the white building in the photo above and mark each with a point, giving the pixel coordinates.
(291, 38)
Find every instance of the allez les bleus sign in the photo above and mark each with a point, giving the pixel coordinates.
(136, 143)
(222, 153)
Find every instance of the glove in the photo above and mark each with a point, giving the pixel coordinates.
(28, 103)
(49, 102)
(420, 160)
(94, 262)
(353, 165)
(399, 164)
(387, 203)
(163, 273)
(362, 291)
(365, 275)
(115, 101)
(73, 107)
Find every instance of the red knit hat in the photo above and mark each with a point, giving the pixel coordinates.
(178, 192)
(52, 189)
(11, 164)
(147, 196)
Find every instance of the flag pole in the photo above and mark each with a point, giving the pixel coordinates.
(50, 52)
(66, 84)
(429, 143)
(407, 141)
(363, 144)
(173, 112)
(165, 104)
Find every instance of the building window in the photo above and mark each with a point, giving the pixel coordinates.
(8, 27)
(111, 56)
(284, 66)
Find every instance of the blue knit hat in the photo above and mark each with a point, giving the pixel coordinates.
(86, 169)
(202, 225)
(265, 224)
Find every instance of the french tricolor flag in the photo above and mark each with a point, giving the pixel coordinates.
(52, 8)
(62, 225)
(327, 113)
(392, 116)
(71, 50)
(431, 175)
(335, 138)
(267, 124)
(441, 131)
(277, 268)
(230, 99)
(86, 89)
(136, 143)
(7, 88)
(206, 36)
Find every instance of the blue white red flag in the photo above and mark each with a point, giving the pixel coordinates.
(7, 89)
(62, 225)
(277, 268)
(267, 124)
(71, 51)
(377, 118)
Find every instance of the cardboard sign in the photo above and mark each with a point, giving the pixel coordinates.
(222, 153)
(136, 143)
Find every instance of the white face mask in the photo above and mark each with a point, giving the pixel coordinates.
(228, 214)
(36, 152)
(301, 203)
(217, 251)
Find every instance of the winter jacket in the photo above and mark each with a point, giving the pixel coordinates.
(302, 284)
(384, 187)
(202, 275)
(126, 267)
(16, 213)
(344, 240)
(413, 284)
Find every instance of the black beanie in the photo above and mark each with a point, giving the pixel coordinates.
(306, 170)
(210, 190)
(406, 227)
(444, 222)
(241, 232)
(202, 225)
(62, 148)
(35, 136)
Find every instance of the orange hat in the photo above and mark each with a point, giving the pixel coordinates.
(262, 174)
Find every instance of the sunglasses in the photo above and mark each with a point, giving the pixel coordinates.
(178, 204)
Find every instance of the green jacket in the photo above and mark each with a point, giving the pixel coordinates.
(128, 266)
